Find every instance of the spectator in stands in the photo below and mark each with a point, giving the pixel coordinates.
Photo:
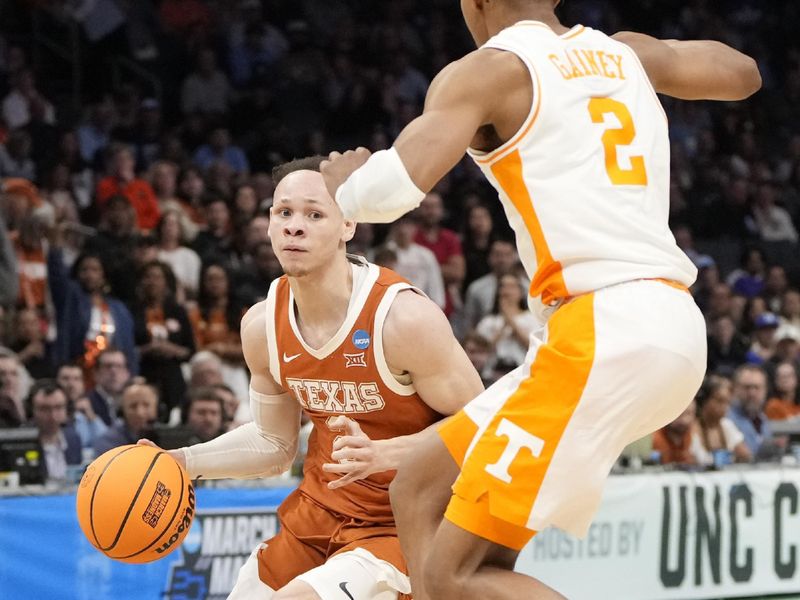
(206, 90)
(789, 316)
(477, 239)
(245, 205)
(685, 240)
(139, 406)
(445, 245)
(31, 265)
(30, 345)
(163, 334)
(164, 179)
(184, 262)
(205, 413)
(479, 351)
(482, 292)
(234, 411)
(215, 241)
(111, 375)
(205, 369)
(749, 279)
(25, 102)
(15, 156)
(714, 431)
(720, 303)
(414, 262)
(727, 348)
(783, 403)
(219, 149)
(14, 381)
(60, 441)
(673, 442)
(88, 319)
(216, 319)
(509, 325)
(776, 285)
(122, 180)
(95, 134)
(88, 425)
(192, 194)
(764, 341)
(747, 408)
(253, 280)
(773, 222)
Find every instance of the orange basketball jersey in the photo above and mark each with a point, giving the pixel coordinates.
(347, 376)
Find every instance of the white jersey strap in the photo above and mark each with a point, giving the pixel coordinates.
(272, 341)
(389, 379)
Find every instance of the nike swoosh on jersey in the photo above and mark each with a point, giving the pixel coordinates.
(343, 587)
(288, 359)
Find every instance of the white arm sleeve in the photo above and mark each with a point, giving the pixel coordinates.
(380, 191)
(262, 448)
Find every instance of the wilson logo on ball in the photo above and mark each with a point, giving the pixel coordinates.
(184, 524)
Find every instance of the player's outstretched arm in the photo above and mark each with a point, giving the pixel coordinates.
(417, 339)
(694, 69)
(267, 445)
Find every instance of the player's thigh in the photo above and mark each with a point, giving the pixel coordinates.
(248, 585)
(355, 574)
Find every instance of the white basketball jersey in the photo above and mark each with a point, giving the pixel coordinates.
(585, 181)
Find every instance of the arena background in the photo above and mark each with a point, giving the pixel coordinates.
(174, 79)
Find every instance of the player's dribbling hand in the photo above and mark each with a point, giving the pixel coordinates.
(339, 167)
(176, 454)
(357, 455)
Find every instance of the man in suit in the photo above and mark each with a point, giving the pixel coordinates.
(61, 444)
(110, 375)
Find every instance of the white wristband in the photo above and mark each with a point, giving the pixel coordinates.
(380, 191)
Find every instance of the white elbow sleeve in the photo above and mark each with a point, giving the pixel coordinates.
(380, 191)
(263, 448)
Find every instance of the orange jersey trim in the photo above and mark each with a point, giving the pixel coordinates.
(548, 281)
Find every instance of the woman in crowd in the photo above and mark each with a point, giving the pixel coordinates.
(163, 334)
(713, 431)
(184, 262)
(509, 325)
(783, 403)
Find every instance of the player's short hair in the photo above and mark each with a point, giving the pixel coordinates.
(309, 163)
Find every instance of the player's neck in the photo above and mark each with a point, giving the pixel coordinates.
(507, 18)
(323, 297)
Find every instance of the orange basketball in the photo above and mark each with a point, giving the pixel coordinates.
(135, 504)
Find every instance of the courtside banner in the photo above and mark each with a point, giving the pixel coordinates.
(668, 536)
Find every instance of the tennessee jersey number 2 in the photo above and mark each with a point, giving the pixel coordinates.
(615, 137)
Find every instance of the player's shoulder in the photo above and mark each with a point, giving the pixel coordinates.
(483, 68)
(255, 317)
(414, 319)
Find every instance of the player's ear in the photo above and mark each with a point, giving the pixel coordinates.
(349, 230)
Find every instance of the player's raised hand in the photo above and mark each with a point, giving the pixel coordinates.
(356, 454)
(339, 167)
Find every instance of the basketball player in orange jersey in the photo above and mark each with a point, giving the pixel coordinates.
(372, 363)
(566, 125)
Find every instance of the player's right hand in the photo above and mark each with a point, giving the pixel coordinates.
(178, 455)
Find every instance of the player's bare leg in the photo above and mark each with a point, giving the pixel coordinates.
(420, 493)
(465, 566)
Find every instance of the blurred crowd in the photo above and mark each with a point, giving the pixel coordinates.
(134, 225)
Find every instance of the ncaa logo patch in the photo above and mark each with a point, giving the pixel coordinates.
(361, 339)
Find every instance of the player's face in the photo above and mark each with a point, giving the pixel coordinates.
(306, 227)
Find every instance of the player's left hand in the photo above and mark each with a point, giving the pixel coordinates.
(339, 167)
(358, 456)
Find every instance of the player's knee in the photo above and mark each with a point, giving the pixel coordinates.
(296, 590)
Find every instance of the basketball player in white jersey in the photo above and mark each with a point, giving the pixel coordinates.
(372, 363)
(566, 125)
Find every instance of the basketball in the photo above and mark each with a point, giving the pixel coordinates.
(135, 504)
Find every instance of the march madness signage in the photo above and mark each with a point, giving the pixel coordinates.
(679, 535)
(218, 544)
